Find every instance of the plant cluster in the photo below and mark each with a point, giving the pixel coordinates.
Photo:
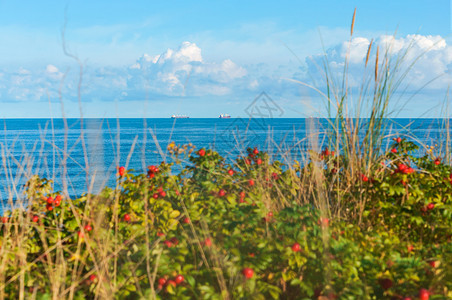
(253, 228)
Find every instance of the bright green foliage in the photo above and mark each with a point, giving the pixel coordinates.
(208, 225)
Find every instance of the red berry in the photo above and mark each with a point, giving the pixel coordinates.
(231, 172)
(160, 234)
(324, 222)
(268, 217)
(410, 248)
(398, 140)
(394, 150)
(258, 161)
(5, 220)
(92, 277)
(186, 220)
(251, 182)
(80, 234)
(168, 244)
(174, 240)
(49, 207)
(247, 161)
(402, 167)
(179, 279)
(57, 202)
(437, 161)
(121, 171)
(208, 242)
(275, 175)
(162, 193)
(35, 219)
(162, 281)
(424, 294)
(296, 247)
(430, 206)
(364, 178)
(248, 273)
(251, 254)
(221, 193)
(88, 228)
(433, 263)
(155, 196)
(50, 200)
(255, 151)
(202, 152)
(127, 217)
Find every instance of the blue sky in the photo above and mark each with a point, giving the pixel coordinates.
(156, 58)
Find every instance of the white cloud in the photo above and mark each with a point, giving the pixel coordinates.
(431, 55)
(51, 69)
(184, 72)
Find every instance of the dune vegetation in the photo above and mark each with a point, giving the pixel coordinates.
(254, 229)
(352, 220)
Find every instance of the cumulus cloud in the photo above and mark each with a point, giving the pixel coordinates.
(51, 69)
(431, 55)
(175, 72)
(183, 71)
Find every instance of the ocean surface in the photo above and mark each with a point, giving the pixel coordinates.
(37, 146)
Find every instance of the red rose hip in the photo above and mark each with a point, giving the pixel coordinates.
(296, 247)
(424, 294)
(248, 273)
(179, 279)
(162, 281)
(121, 171)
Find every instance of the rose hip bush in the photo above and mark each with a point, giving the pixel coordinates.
(245, 229)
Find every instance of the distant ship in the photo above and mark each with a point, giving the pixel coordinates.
(225, 116)
(179, 117)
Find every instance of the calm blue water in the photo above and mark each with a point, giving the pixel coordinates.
(37, 146)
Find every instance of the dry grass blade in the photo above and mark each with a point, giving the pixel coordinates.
(368, 52)
(353, 22)
(376, 65)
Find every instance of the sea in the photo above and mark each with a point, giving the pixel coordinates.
(87, 152)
